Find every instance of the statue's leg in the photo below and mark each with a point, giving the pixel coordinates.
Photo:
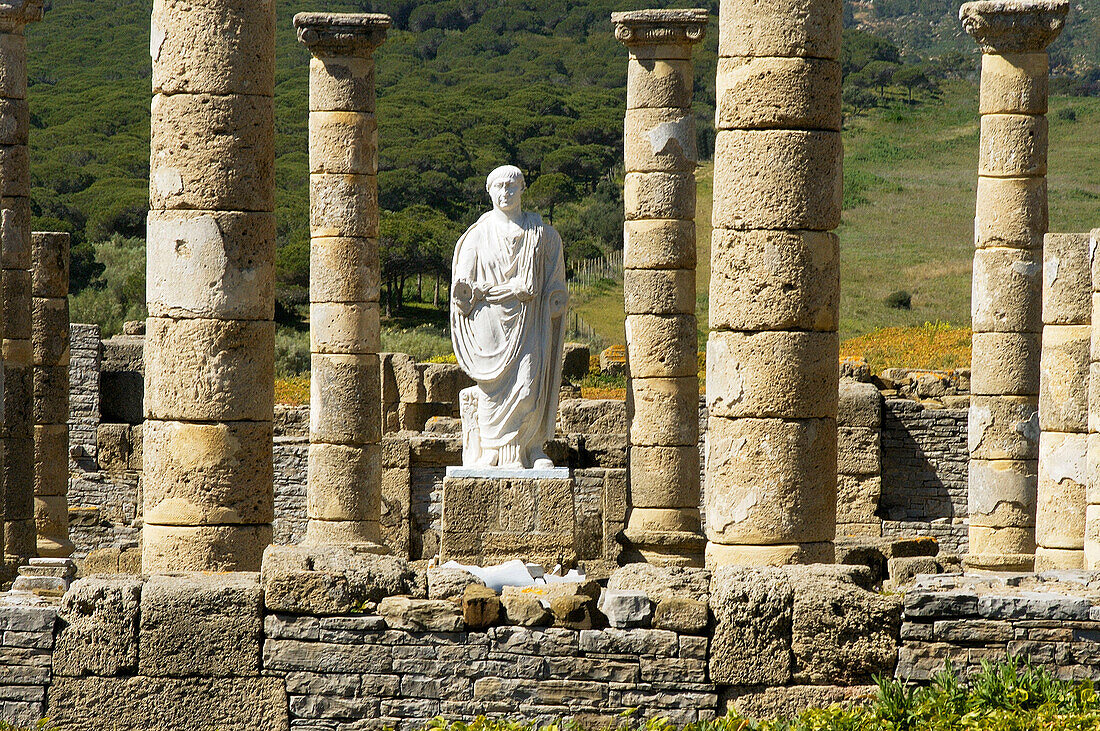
(539, 459)
(471, 433)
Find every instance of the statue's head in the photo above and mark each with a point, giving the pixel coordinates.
(505, 186)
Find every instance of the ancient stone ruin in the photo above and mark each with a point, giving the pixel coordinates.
(181, 553)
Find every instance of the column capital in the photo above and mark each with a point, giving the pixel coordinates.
(660, 27)
(341, 34)
(14, 14)
(1014, 26)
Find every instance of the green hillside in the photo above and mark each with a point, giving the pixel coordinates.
(465, 85)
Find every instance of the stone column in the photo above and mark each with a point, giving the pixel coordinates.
(1092, 461)
(344, 489)
(15, 232)
(659, 284)
(209, 346)
(1006, 301)
(772, 357)
(1063, 402)
(50, 353)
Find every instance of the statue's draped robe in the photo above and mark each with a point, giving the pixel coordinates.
(512, 349)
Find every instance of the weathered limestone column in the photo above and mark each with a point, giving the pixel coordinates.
(209, 347)
(50, 352)
(1006, 301)
(772, 357)
(1063, 402)
(15, 233)
(659, 284)
(1092, 463)
(344, 491)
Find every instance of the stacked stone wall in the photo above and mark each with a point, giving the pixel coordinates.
(924, 472)
(26, 647)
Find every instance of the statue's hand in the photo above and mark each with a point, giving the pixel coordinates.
(463, 295)
(559, 298)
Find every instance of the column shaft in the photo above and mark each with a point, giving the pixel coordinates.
(1092, 460)
(50, 346)
(17, 434)
(1006, 301)
(344, 485)
(659, 285)
(209, 348)
(772, 357)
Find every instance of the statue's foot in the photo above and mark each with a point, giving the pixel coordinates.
(488, 458)
(540, 461)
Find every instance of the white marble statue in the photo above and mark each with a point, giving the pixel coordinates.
(508, 302)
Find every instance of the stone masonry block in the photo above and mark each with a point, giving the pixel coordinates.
(201, 625)
(789, 375)
(661, 347)
(774, 280)
(778, 93)
(1067, 279)
(223, 48)
(860, 405)
(1007, 290)
(1014, 83)
(1011, 212)
(1013, 145)
(659, 244)
(343, 205)
(209, 370)
(203, 547)
(344, 269)
(341, 83)
(213, 473)
(778, 179)
(660, 140)
(343, 143)
(659, 83)
(809, 28)
(1003, 427)
(659, 195)
(212, 153)
(168, 704)
(214, 264)
(778, 481)
(99, 630)
(344, 399)
(752, 609)
(841, 632)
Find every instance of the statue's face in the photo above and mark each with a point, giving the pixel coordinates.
(506, 194)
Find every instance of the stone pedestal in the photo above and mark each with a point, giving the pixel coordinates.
(345, 461)
(209, 347)
(50, 341)
(1006, 302)
(659, 285)
(495, 515)
(772, 356)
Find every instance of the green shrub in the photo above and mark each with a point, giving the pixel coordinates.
(1067, 114)
(291, 352)
(899, 300)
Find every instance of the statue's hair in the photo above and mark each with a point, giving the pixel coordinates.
(505, 172)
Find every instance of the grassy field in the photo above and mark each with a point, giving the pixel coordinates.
(909, 207)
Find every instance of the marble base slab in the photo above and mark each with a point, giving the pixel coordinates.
(508, 473)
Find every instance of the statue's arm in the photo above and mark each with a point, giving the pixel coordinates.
(464, 290)
(555, 280)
